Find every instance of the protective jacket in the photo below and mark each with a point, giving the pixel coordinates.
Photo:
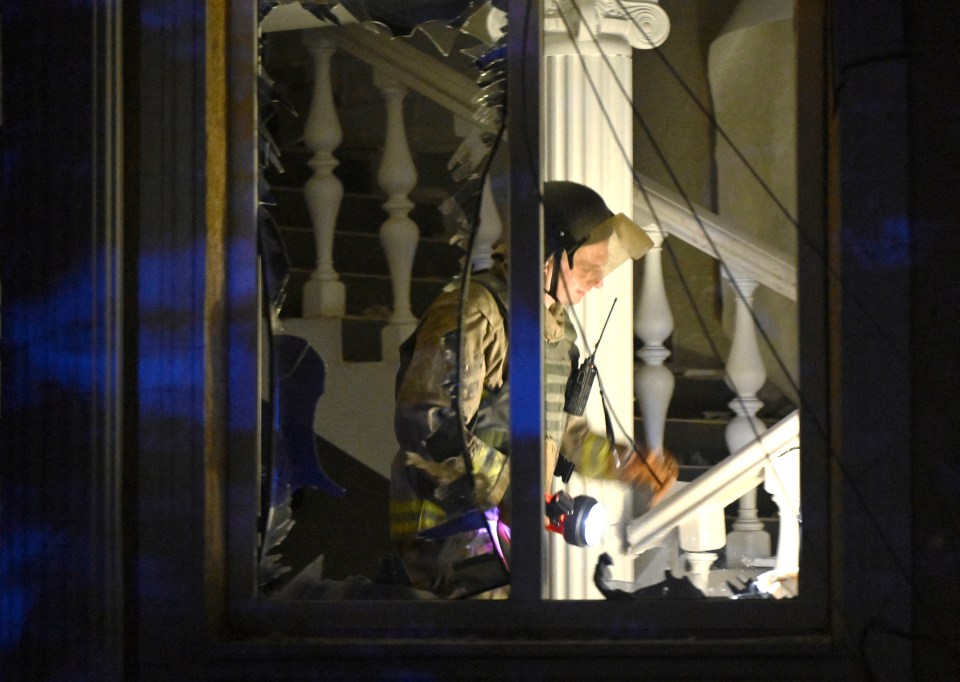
(425, 472)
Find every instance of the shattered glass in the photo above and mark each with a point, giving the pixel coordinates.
(465, 34)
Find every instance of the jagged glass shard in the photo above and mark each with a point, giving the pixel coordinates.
(470, 155)
(273, 255)
(279, 523)
(269, 152)
(488, 116)
(321, 10)
(491, 96)
(441, 34)
(484, 21)
(460, 211)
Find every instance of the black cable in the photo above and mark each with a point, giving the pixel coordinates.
(466, 433)
(764, 186)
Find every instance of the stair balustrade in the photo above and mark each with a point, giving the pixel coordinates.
(653, 325)
(771, 457)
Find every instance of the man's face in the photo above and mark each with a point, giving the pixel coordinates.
(586, 273)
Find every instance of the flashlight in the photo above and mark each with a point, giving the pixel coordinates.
(580, 520)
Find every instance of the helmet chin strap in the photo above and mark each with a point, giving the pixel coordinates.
(555, 276)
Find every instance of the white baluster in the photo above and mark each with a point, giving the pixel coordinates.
(700, 563)
(653, 324)
(746, 375)
(324, 295)
(398, 234)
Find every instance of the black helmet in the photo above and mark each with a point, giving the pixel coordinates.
(574, 215)
(570, 213)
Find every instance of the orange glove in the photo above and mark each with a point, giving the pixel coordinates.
(655, 472)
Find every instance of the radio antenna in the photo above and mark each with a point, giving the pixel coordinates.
(604, 328)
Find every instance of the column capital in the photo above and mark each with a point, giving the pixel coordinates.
(616, 26)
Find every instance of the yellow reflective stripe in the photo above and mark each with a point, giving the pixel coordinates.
(595, 456)
(408, 517)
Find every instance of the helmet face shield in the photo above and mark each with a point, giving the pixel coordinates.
(576, 216)
(625, 239)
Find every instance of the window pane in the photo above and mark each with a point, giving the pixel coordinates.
(376, 152)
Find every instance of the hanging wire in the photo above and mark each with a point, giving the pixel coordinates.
(494, 80)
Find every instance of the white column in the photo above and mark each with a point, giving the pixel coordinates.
(588, 138)
(324, 295)
(398, 234)
(746, 375)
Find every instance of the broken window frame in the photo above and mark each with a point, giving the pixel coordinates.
(526, 614)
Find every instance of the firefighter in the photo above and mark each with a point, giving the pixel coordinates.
(451, 533)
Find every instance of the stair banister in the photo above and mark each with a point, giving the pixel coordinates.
(722, 484)
(415, 70)
(324, 295)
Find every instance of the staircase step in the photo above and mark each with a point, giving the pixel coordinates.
(358, 212)
(368, 296)
(361, 252)
(699, 395)
(695, 442)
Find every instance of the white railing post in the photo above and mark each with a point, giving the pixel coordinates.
(398, 234)
(324, 295)
(746, 375)
(653, 324)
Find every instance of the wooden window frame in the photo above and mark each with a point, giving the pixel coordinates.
(636, 628)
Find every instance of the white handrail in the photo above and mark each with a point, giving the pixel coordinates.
(721, 485)
(767, 265)
(389, 56)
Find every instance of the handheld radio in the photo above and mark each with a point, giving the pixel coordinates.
(581, 378)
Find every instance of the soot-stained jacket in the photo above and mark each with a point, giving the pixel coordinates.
(425, 421)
